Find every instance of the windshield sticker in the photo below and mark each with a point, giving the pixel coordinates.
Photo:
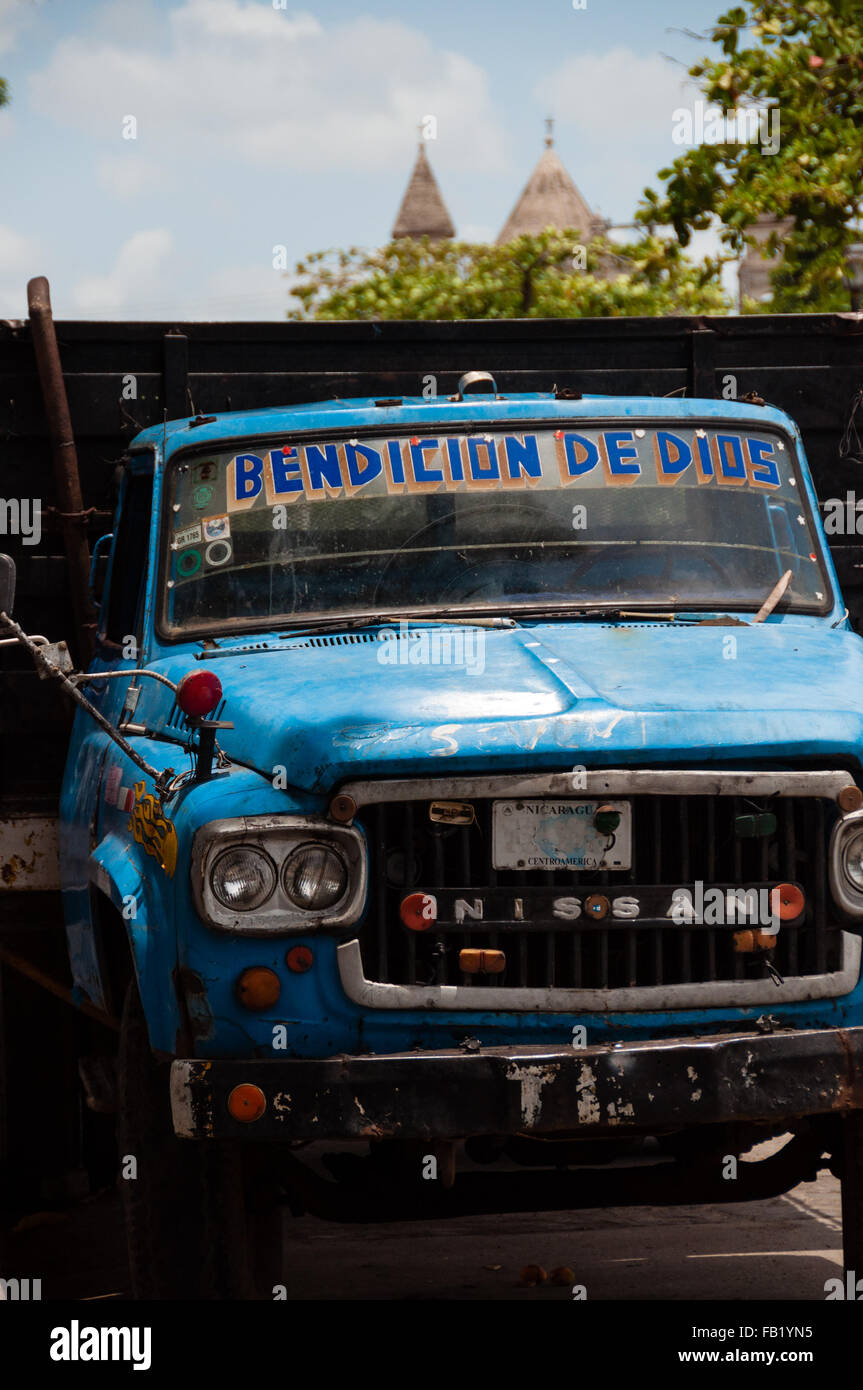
(202, 497)
(476, 463)
(216, 528)
(190, 535)
(218, 553)
(188, 563)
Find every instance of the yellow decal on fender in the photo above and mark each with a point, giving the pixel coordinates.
(152, 829)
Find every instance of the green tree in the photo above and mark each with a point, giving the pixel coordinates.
(806, 60)
(551, 275)
(4, 92)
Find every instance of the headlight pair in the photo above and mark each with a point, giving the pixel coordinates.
(278, 873)
(314, 877)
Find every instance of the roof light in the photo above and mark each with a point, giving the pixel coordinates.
(198, 693)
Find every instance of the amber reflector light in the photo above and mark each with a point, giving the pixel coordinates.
(247, 1103)
(258, 987)
(474, 962)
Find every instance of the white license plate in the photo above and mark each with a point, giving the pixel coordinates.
(559, 834)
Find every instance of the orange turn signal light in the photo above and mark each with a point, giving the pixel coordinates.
(258, 987)
(475, 962)
(247, 1103)
(745, 941)
(787, 901)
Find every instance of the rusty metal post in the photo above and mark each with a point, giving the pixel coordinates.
(70, 505)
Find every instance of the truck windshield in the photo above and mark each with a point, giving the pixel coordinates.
(699, 517)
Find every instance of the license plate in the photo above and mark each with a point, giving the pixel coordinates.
(558, 834)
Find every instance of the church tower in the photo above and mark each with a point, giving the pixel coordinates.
(550, 199)
(423, 211)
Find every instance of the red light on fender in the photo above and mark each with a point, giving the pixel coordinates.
(419, 911)
(787, 901)
(198, 693)
(299, 959)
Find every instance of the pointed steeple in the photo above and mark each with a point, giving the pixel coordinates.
(550, 199)
(423, 211)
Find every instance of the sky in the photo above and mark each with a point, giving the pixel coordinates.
(167, 159)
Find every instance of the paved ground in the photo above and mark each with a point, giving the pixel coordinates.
(784, 1248)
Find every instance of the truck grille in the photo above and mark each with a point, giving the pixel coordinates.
(677, 840)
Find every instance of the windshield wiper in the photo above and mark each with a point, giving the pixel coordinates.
(436, 616)
(773, 598)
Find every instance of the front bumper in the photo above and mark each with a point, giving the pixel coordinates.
(647, 1087)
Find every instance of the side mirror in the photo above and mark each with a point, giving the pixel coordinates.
(7, 585)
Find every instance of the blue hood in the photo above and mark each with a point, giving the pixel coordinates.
(548, 696)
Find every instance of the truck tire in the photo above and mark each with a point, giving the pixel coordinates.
(852, 1192)
(188, 1223)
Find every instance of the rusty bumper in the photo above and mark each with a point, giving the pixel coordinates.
(643, 1087)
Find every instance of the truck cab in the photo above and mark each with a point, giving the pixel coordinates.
(498, 792)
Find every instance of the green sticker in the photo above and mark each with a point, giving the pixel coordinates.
(202, 496)
(189, 563)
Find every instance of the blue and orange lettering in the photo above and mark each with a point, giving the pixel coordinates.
(580, 455)
(673, 456)
(480, 472)
(396, 465)
(285, 468)
(703, 459)
(763, 467)
(620, 454)
(360, 473)
(248, 477)
(522, 455)
(322, 462)
(732, 470)
(423, 474)
(454, 459)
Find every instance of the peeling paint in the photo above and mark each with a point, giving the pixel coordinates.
(532, 1080)
(587, 1102)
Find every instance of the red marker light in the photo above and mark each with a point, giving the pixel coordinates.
(787, 901)
(419, 911)
(198, 693)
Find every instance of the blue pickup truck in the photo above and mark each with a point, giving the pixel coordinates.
(476, 781)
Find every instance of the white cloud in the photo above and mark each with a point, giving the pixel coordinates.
(618, 98)
(281, 91)
(133, 281)
(16, 251)
(19, 262)
(14, 14)
(129, 175)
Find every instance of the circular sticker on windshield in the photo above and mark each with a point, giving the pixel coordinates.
(202, 496)
(218, 553)
(189, 563)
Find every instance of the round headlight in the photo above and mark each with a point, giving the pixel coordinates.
(243, 878)
(852, 859)
(315, 877)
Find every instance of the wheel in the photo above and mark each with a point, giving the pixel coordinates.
(852, 1192)
(198, 1225)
